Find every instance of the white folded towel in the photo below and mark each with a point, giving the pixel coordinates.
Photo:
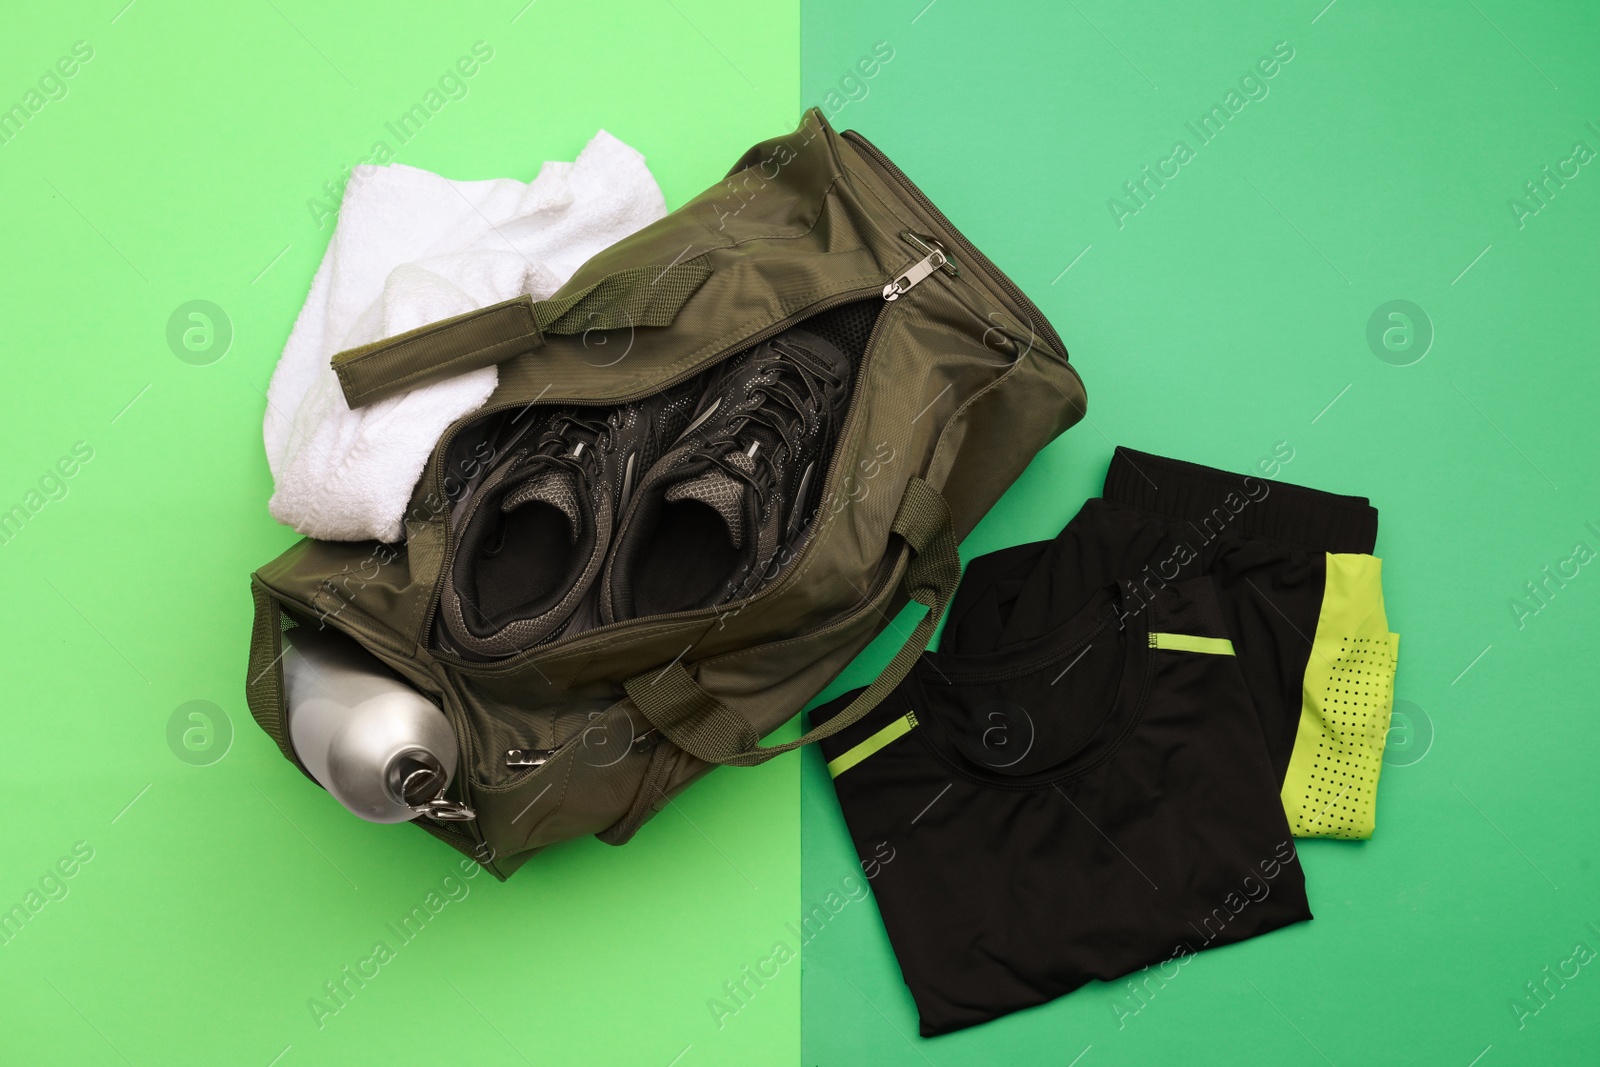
(411, 248)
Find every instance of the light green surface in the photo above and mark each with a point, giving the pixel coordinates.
(220, 898)
(1229, 315)
(1225, 322)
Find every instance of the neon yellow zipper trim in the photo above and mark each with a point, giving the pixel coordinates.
(1211, 646)
(895, 730)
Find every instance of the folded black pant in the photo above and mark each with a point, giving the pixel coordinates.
(1104, 764)
(1299, 591)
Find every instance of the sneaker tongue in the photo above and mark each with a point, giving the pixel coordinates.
(557, 488)
(719, 491)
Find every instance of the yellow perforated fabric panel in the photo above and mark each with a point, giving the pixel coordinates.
(1331, 787)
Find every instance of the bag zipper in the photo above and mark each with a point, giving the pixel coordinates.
(887, 165)
(914, 274)
(926, 245)
(520, 759)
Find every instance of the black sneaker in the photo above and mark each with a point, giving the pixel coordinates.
(721, 513)
(533, 536)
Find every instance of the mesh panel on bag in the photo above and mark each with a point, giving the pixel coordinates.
(848, 325)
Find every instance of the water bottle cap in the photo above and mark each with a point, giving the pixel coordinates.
(415, 777)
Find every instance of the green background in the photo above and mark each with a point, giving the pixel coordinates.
(1227, 316)
(179, 167)
(1223, 318)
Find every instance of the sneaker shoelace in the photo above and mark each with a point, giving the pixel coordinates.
(573, 442)
(795, 405)
(563, 462)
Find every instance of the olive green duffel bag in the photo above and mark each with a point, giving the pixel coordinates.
(960, 382)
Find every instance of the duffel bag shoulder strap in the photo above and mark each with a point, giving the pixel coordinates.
(637, 296)
(706, 728)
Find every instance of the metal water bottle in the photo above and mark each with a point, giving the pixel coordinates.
(382, 749)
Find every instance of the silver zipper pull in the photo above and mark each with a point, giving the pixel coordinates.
(914, 274)
(528, 757)
(441, 810)
(928, 244)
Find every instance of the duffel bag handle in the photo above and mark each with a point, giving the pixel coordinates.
(706, 728)
(637, 296)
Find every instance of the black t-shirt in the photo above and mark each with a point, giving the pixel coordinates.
(1073, 806)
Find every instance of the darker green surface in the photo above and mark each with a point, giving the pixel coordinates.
(1226, 321)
